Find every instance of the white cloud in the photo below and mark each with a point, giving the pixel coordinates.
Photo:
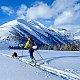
(40, 11)
(63, 12)
(65, 17)
(7, 10)
(70, 13)
(68, 17)
(61, 5)
(22, 12)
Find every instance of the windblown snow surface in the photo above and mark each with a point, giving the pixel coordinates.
(57, 65)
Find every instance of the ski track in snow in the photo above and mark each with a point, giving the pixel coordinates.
(64, 74)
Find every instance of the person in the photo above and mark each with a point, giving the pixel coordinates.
(32, 46)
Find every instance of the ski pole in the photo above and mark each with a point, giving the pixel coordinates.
(22, 53)
(42, 58)
(40, 55)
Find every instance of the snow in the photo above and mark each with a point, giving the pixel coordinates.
(40, 24)
(72, 31)
(13, 22)
(61, 65)
(77, 37)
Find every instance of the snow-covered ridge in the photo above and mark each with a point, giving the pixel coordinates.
(11, 23)
(70, 31)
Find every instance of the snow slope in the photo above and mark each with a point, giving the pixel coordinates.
(61, 66)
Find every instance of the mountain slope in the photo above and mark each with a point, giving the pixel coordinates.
(16, 32)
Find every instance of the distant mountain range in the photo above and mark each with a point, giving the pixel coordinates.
(16, 32)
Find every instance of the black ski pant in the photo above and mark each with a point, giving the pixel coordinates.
(31, 50)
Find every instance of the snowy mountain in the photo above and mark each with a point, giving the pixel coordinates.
(69, 31)
(16, 32)
(76, 34)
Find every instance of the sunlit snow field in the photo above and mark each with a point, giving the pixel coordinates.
(13, 69)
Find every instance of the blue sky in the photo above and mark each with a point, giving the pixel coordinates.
(15, 4)
(48, 12)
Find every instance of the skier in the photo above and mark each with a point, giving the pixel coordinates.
(32, 46)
